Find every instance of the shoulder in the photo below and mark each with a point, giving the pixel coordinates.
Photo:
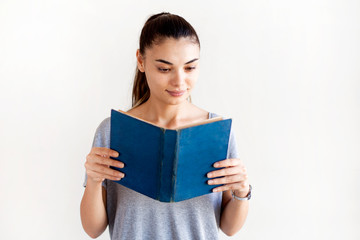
(104, 125)
(102, 134)
(196, 113)
(212, 115)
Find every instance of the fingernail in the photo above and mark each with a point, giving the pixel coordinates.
(210, 181)
(209, 175)
(216, 164)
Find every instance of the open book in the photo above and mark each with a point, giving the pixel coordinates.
(165, 164)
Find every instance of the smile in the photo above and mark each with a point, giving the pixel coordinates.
(176, 93)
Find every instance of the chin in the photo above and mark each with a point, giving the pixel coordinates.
(177, 101)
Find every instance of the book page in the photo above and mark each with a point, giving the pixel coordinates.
(130, 115)
(215, 119)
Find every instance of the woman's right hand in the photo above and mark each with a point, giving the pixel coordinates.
(98, 164)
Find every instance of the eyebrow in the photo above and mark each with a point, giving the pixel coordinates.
(166, 62)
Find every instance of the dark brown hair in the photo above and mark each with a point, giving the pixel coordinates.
(157, 28)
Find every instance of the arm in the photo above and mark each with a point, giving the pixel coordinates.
(233, 213)
(93, 209)
(234, 177)
(93, 204)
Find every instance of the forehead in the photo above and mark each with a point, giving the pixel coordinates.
(173, 49)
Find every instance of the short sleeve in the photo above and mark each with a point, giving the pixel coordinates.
(101, 139)
(232, 148)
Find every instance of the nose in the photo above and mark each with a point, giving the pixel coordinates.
(178, 79)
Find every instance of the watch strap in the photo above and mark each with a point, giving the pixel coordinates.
(248, 196)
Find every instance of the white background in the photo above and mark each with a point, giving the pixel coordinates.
(287, 72)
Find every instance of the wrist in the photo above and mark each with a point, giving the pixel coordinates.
(93, 183)
(242, 195)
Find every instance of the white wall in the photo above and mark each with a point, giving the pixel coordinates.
(287, 72)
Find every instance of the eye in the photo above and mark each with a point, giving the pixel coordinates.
(190, 68)
(164, 69)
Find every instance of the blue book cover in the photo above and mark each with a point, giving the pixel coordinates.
(168, 165)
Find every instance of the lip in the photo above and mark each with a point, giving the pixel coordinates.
(176, 93)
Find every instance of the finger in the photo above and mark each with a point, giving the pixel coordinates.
(96, 175)
(103, 151)
(108, 171)
(102, 169)
(240, 186)
(230, 162)
(227, 180)
(225, 172)
(106, 161)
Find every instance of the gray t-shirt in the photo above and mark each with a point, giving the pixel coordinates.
(132, 215)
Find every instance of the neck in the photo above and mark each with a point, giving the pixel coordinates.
(165, 114)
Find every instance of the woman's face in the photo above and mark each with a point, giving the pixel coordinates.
(171, 69)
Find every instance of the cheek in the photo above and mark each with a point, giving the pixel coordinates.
(155, 82)
(191, 81)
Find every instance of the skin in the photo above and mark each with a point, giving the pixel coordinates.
(170, 112)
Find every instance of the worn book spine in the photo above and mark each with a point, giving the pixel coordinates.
(175, 164)
(166, 164)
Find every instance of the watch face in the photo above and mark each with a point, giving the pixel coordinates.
(249, 195)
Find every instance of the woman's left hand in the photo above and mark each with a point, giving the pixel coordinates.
(233, 175)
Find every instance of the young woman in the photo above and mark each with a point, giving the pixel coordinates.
(167, 70)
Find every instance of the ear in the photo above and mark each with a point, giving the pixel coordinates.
(140, 61)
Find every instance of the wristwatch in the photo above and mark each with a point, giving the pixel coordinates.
(248, 196)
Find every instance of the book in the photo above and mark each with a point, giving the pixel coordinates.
(169, 165)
